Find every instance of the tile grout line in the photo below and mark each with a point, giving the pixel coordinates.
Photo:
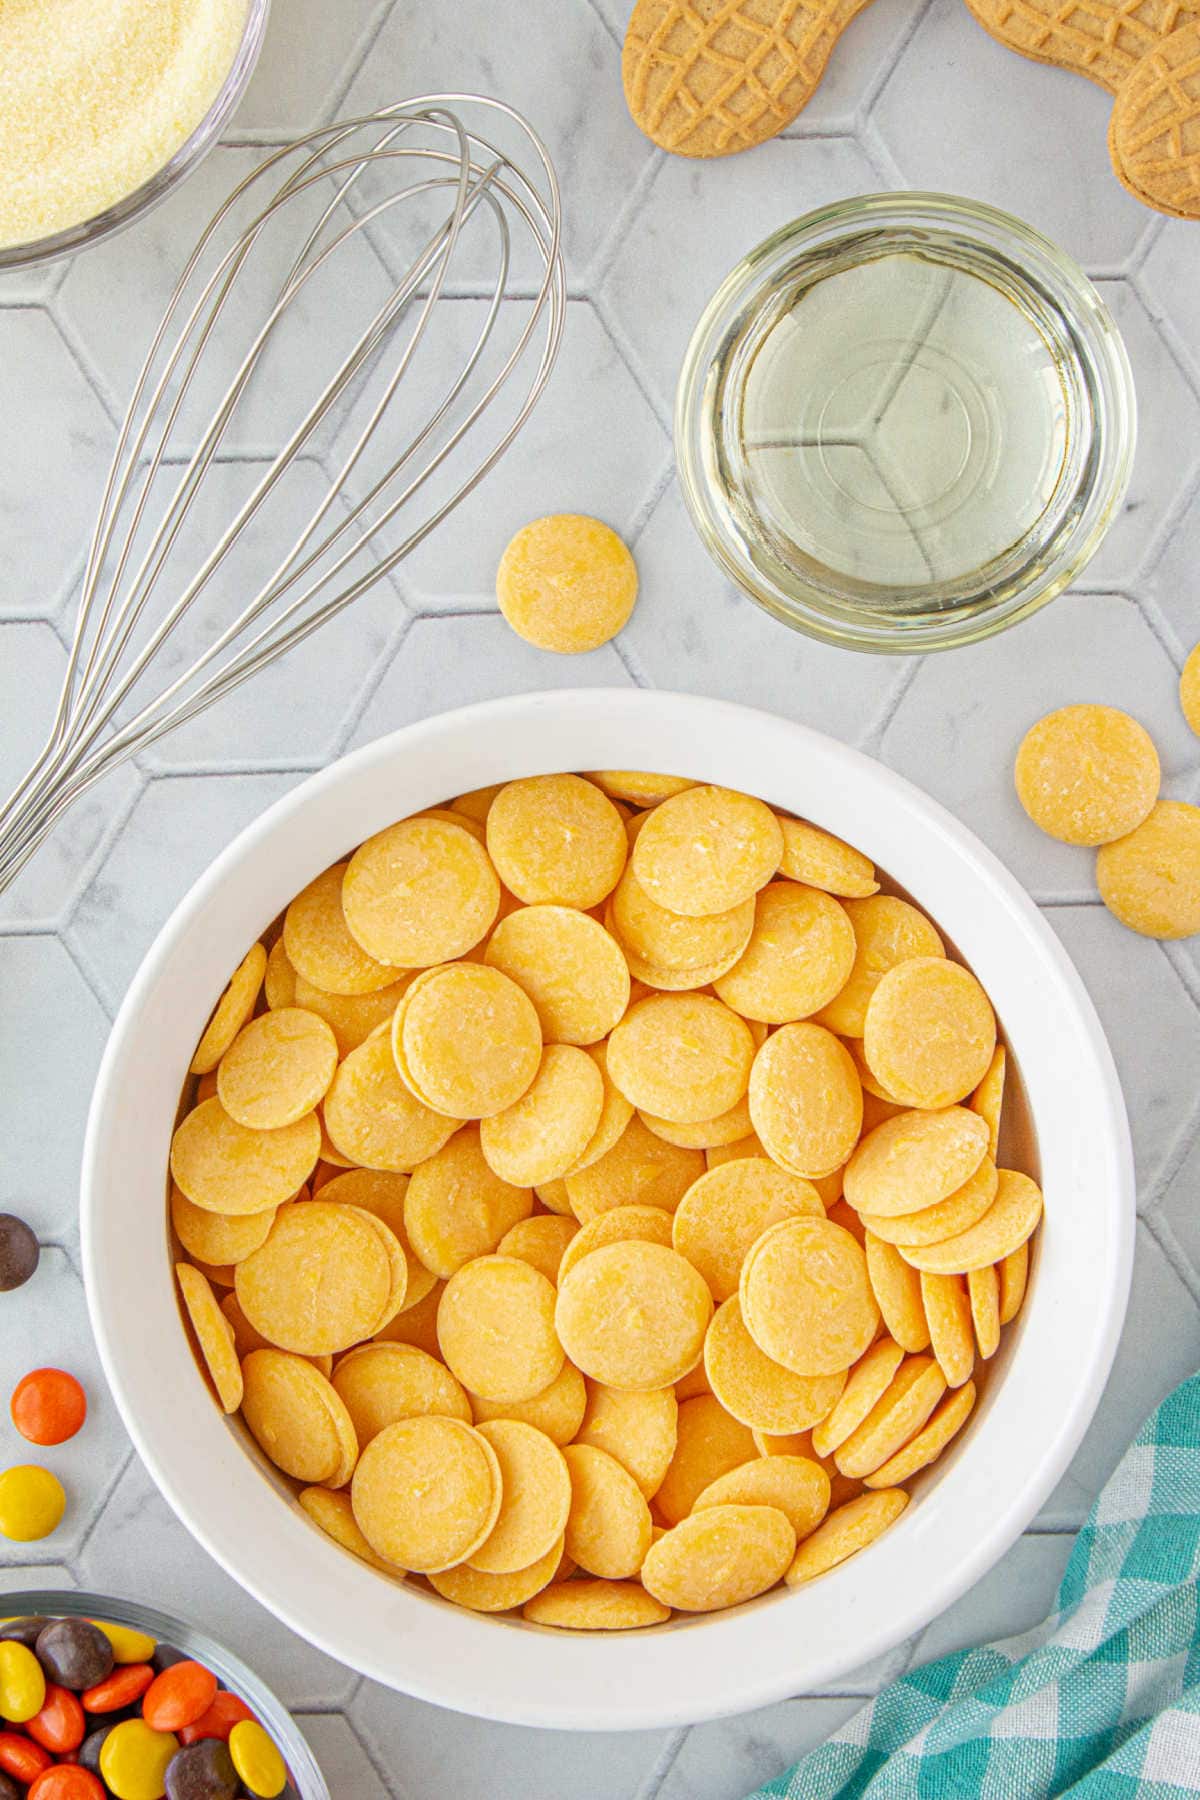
(664, 1762)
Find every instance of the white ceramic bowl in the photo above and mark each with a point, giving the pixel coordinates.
(983, 1494)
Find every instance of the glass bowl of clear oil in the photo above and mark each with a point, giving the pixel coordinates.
(905, 422)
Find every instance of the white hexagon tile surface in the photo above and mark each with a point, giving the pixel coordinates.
(918, 95)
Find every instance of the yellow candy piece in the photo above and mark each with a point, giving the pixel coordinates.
(667, 940)
(988, 1098)
(333, 1512)
(1189, 689)
(684, 1057)
(866, 1384)
(948, 1419)
(419, 893)
(320, 947)
(806, 1299)
(466, 1040)
(719, 1557)
(257, 1760)
(846, 1531)
(1087, 774)
(615, 1114)
(380, 1383)
(128, 1644)
(639, 1430)
(639, 787)
(756, 1390)
(897, 1290)
(797, 1485)
(556, 840)
(477, 804)
(351, 1017)
(930, 1032)
(934, 1224)
(382, 1193)
(245, 1337)
(821, 860)
(536, 1499)
(542, 1242)
(608, 1527)
(297, 1418)
(279, 981)
(887, 931)
(214, 1335)
(496, 1329)
(544, 1133)
(1014, 1276)
(732, 1126)
(32, 1503)
(798, 959)
(640, 1170)
(983, 1287)
(232, 1010)
(219, 1238)
(457, 1207)
(726, 1211)
(569, 966)
(22, 1684)
(695, 1382)
(596, 1606)
(558, 1410)
(1150, 880)
(709, 1442)
(717, 1154)
(914, 1161)
(951, 1328)
(277, 1069)
(1009, 1222)
(566, 583)
(373, 1119)
(322, 1281)
(470, 1587)
(633, 1315)
(134, 1759)
(806, 1100)
(427, 1492)
(707, 850)
(899, 1413)
(225, 1167)
(648, 1224)
(415, 1325)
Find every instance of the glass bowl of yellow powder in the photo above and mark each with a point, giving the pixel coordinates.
(107, 104)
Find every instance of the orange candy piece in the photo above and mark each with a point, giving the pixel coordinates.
(48, 1406)
(179, 1696)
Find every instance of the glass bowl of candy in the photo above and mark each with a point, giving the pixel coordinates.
(104, 1699)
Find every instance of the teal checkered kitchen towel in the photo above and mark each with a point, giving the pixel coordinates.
(1101, 1701)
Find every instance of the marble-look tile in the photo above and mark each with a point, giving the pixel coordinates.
(50, 1047)
(1143, 1006)
(344, 1761)
(142, 1552)
(860, 63)
(732, 1756)
(692, 629)
(34, 283)
(18, 1580)
(591, 445)
(1169, 580)
(958, 728)
(1169, 279)
(1168, 441)
(1159, 1346)
(696, 221)
(961, 112)
(51, 477)
(560, 69)
(281, 718)
(307, 59)
(1174, 1215)
(46, 1323)
(454, 662)
(177, 827)
(422, 1742)
(1013, 1597)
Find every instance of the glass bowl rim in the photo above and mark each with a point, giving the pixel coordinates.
(996, 231)
(194, 148)
(166, 1628)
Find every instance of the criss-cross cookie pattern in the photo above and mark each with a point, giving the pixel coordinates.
(1099, 40)
(1156, 123)
(649, 236)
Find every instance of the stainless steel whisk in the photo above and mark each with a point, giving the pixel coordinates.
(434, 195)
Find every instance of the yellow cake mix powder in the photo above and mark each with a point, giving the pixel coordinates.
(96, 95)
